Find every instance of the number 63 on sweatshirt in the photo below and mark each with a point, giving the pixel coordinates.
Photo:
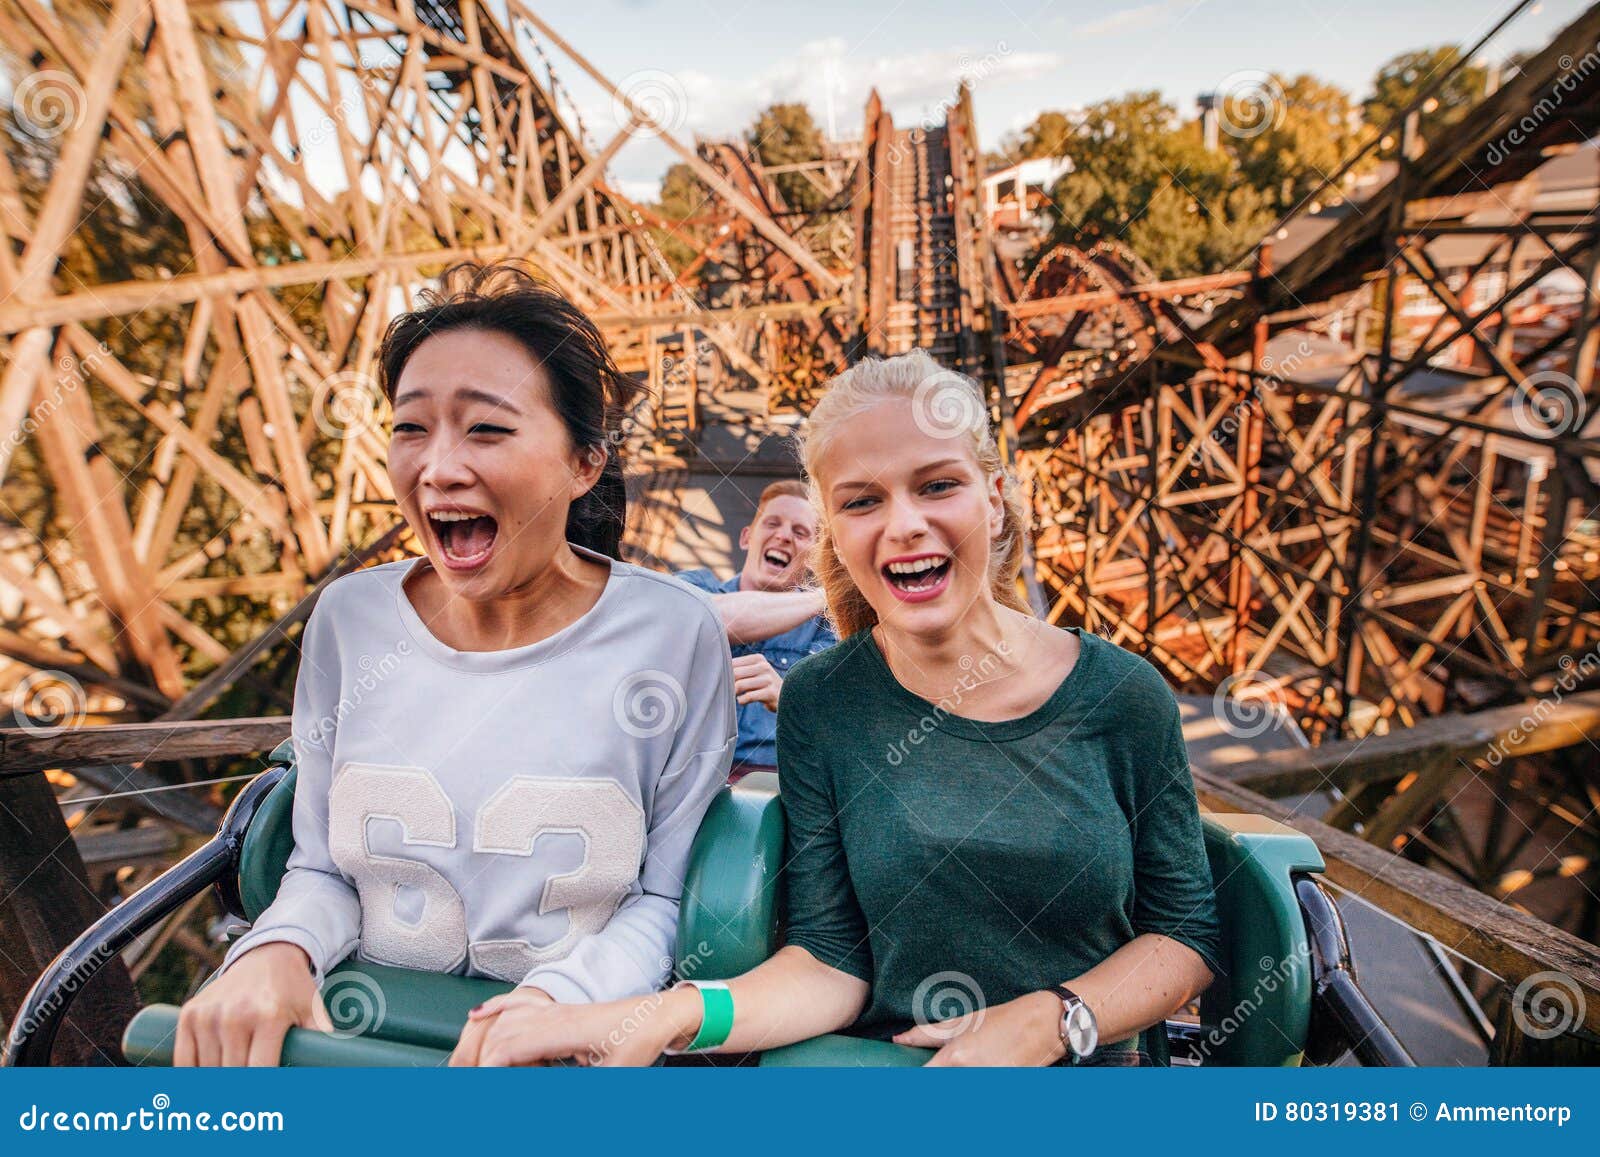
(523, 814)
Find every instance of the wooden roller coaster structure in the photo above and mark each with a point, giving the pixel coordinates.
(191, 445)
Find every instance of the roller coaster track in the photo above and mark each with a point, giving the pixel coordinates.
(1229, 514)
(1552, 103)
(924, 265)
(1352, 544)
(1361, 548)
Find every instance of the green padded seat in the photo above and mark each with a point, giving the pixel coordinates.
(148, 1041)
(1256, 1013)
(836, 1051)
(1259, 1010)
(385, 1016)
(269, 840)
(728, 918)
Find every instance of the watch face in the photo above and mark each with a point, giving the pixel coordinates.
(1081, 1033)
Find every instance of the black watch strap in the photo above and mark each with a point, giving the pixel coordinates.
(1068, 997)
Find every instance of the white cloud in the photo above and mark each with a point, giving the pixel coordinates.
(1134, 19)
(825, 76)
(822, 73)
(638, 190)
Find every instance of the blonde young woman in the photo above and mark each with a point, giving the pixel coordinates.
(975, 798)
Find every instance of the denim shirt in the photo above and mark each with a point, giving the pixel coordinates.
(758, 727)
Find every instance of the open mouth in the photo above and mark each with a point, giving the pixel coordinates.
(465, 537)
(918, 576)
(777, 559)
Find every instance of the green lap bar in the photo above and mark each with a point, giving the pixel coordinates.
(149, 1039)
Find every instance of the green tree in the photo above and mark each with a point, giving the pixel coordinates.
(1142, 176)
(684, 196)
(683, 193)
(1401, 80)
(125, 232)
(1304, 138)
(786, 134)
(1046, 136)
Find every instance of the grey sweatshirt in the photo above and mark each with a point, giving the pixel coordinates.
(522, 814)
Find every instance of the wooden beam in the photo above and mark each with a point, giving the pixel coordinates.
(74, 629)
(774, 311)
(57, 216)
(1513, 731)
(1508, 942)
(764, 224)
(1406, 806)
(91, 491)
(130, 845)
(118, 298)
(23, 751)
(147, 791)
(45, 901)
(251, 495)
(203, 692)
(45, 657)
(1149, 291)
(218, 180)
(564, 200)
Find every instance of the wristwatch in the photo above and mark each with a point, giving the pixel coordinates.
(1079, 1031)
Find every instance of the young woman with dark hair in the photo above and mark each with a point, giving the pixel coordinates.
(505, 747)
(588, 394)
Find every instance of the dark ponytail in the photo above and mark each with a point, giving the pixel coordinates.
(589, 393)
(597, 518)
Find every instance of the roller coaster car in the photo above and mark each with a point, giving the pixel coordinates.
(1287, 994)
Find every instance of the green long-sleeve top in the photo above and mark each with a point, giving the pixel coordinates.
(950, 862)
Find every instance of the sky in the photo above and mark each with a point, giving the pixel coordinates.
(707, 67)
(710, 65)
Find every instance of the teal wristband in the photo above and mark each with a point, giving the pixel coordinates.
(716, 1015)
